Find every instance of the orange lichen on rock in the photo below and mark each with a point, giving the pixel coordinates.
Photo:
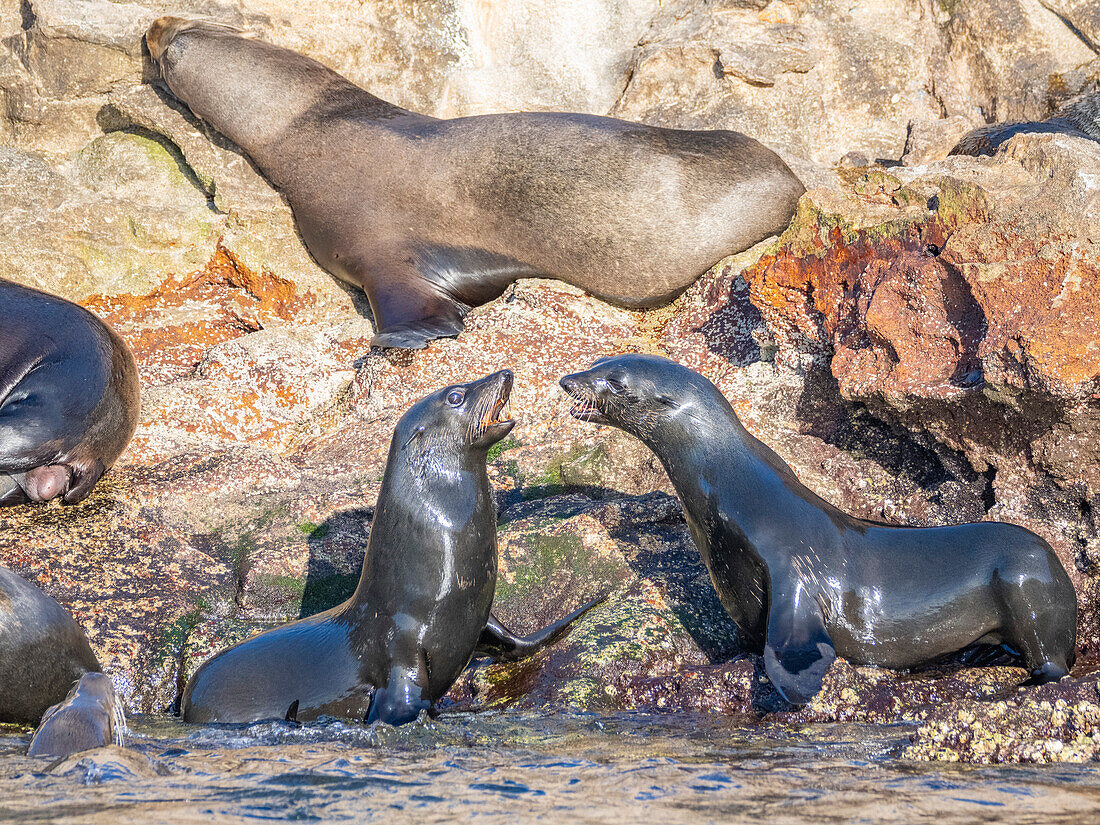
(172, 327)
(934, 306)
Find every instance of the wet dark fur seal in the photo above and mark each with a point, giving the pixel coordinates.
(1080, 118)
(806, 582)
(42, 651)
(432, 217)
(68, 397)
(422, 604)
(91, 716)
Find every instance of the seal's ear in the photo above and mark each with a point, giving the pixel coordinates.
(798, 651)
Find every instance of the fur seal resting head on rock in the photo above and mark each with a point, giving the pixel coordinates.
(1080, 118)
(806, 582)
(421, 609)
(42, 650)
(432, 217)
(69, 398)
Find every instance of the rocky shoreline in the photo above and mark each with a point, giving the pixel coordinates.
(920, 345)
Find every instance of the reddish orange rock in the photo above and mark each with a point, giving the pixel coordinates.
(172, 327)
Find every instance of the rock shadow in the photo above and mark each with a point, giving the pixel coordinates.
(949, 481)
(336, 548)
(736, 330)
(660, 549)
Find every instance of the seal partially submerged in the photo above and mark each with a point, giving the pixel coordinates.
(806, 582)
(432, 217)
(423, 600)
(68, 397)
(42, 650)
(91, 716)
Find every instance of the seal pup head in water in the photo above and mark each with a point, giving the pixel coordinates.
(68, 397)
(42, 650)
(421, 609)
(91, 716)
(432, 217)
(806, 582)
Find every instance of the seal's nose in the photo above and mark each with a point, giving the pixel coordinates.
(569, 383)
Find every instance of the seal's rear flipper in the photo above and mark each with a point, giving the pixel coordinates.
(798, 651)
(501, 644)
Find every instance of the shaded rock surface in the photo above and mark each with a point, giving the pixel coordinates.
(921, 345)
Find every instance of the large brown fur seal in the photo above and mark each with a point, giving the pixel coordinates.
(422, 606)
(68, 397)
(1080, 118)
(806, 582)
(433, 217)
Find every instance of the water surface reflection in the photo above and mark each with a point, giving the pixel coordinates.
(504, 767)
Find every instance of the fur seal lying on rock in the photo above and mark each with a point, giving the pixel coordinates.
(1081, 118)
(43, 651)
(806, 582)
(69, 397)
(422, 605)
(433, 217)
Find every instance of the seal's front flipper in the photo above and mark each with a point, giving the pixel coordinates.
(798, 651)
(409, 310)
(84, 478)
(501, 644)
(417, 334)
(403, 697)
(11, 492)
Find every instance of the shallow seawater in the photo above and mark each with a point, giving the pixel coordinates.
(509, 767)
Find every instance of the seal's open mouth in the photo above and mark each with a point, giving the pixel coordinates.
(501, 411)
(496, 418)
(585, 408)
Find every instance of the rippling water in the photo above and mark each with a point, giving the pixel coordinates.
(507, 767)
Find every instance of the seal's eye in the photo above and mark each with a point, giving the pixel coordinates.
(616, 387)
(454, 397)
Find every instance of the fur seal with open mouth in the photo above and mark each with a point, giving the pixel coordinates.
(806, 582)
(69, 398)
(422, 605)
(433, 217)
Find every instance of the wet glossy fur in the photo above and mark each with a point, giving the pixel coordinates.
(43, 651)
(806, 582)
(422, 604)
(91, 716)
(68, 397)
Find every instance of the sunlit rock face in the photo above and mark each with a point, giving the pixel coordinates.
(920, 345)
